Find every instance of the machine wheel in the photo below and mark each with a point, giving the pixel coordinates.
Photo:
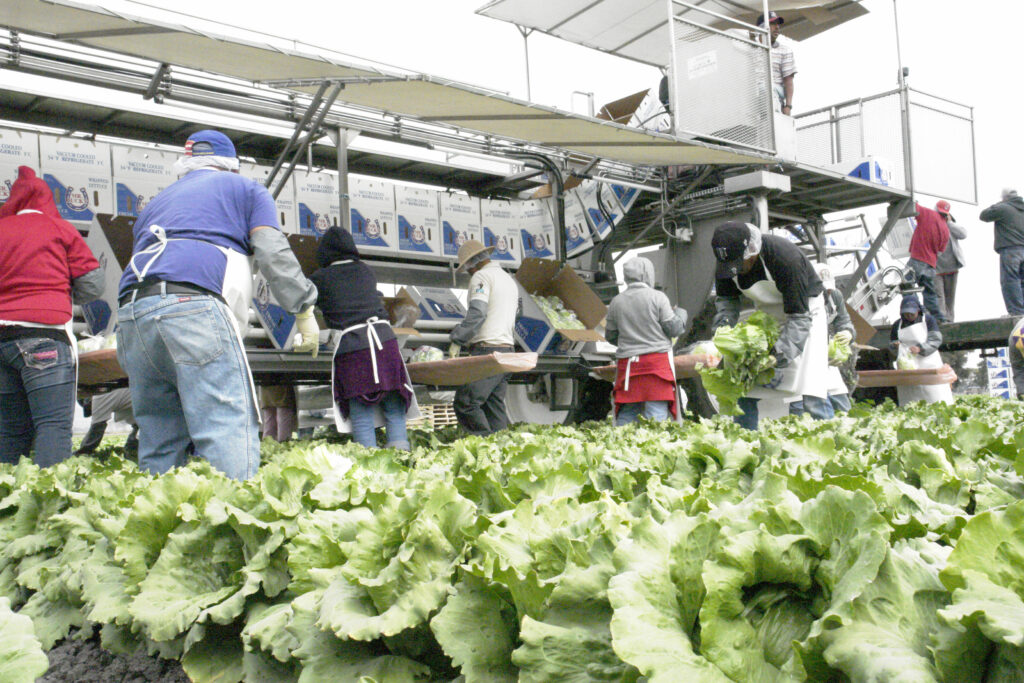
(530, 403)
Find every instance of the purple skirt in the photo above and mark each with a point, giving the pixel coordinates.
(353, 376)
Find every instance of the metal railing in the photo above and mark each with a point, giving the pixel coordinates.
(923, 143)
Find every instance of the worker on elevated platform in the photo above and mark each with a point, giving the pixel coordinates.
(370, 383)
(928, 241)
(1008, 216)
(915, 339)
(45, 265)
(493, 303)
(642, 323)
(184, 300)
(949, 262)
(778, 278)
(783, 65)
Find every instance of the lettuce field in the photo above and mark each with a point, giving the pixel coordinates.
(887, 545)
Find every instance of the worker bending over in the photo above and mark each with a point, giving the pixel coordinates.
(840, 330)
(184, 300)
(493, 302)
(778, 278)
(45, 265)
(642, 323)
(916, 336)
(370, 383)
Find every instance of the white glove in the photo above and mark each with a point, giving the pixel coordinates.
(708, 348)
(453, 350)
(308, 335)
(844, 337)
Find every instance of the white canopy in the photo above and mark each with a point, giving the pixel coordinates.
(383, 89)
(638, 29)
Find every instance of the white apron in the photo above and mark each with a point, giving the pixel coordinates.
(915, 335)
(236, 289)
(807, 374)
(343, 423)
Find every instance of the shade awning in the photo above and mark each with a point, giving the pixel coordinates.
(638, 29)
(384, 89)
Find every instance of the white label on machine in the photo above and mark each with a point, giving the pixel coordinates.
(139, 175)
(460, 221)
(577, 231)
(317, 201)
(537, 229)
(418, 226)
(372, 210)
(498, 218)
(702, 65)
(17, 148)
(78, 173)
(286, 214)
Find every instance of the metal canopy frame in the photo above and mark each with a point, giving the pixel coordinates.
(637, 29)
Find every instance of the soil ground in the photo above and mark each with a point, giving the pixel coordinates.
(84, 661)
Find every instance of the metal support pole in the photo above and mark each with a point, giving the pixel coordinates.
(902, 209)
(314, 103)
(908, 159)
(308, 139)
(761, 209)
(345, 217)
(526, 52)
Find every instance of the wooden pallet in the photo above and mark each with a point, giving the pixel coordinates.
(434, 416)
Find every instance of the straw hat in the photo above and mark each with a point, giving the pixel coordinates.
(469, 250)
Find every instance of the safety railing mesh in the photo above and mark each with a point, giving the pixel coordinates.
(722, 86)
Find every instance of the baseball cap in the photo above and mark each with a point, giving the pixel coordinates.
(773, 18)
(942, 206)
(910, 304)
(206, 143)
(729, 244)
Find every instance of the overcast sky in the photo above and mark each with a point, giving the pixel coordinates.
(968, 52)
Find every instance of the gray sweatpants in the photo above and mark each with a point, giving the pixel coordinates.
(480, 405)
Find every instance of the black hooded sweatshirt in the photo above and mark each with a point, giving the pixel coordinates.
(347, 292)
(1008, 216)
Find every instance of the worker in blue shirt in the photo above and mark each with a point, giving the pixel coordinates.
(184, 300)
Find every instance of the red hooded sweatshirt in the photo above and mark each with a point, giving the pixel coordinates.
(40, 254)
(930, 236)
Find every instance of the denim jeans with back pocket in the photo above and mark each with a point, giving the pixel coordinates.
(37, 399)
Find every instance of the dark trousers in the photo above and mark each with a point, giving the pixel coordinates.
(480, 405)
(926, 280)
(37, 399)
(945, 285)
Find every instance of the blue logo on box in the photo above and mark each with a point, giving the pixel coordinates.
(532, 332)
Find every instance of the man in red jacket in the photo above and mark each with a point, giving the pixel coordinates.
(44, 266)
(930, 238)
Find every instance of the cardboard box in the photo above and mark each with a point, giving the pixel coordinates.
(627, 196)
(278, 323)
(499, 218)
(17, 148)
(419, 231)
(139, 174)
(534, 331)
(436, 303)
(403, 312)
(577, 230)
(287, 215)
(460, 221)
(600, 226)
(317, 202)
(372, 209)
(110, 239)
(79, 173)
(537, 229)
(897, 242)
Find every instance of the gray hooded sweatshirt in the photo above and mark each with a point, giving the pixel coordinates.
(641, 320)
(1009, 219)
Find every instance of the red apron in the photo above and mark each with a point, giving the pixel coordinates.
(645, 378)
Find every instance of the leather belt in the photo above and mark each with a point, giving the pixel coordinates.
(161, 288)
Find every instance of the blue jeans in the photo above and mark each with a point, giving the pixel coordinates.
(926, 279)
(362, 417)
(652, 410)
(1011, 279)
(840, 404)
(818, 408)
(189, 383)
(37, 399)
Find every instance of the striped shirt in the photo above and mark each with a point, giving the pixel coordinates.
(783, 63)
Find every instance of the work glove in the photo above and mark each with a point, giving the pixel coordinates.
(308, 333)
(844, 337)
(453, 350)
